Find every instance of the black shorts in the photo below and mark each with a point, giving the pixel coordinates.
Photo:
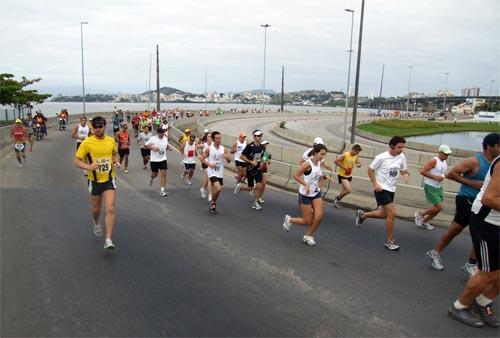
(340, 178)
(463, 205)
(241, 164)
(123, 152)
(254, 176)
(214, 179)
(204, 166)
(155, 166)
(485, 237)
(384, 197)
(308, 200)
(145, 152)
(97, 189)
(189, 166)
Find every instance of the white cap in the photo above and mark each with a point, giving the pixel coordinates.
(205, 130)
(318, 140)
(445, 149)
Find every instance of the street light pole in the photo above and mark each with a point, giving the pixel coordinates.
(149, 82)
(266, 26)
(489, 99)
(348, 77)
(445, 91)
(358, 65)
(83, 72)
(409, 81)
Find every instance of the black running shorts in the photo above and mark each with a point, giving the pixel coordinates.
(463, 205)
(384, 197)
(155, 166)
(485, 237)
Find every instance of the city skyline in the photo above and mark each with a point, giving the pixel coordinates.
(309, 39)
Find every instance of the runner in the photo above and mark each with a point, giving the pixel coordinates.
(264, 166)
(383, 173)
(306, 156)
(252, 155)
(80, 132)
(188, 150)
(97, 154)
(30, 124)
(145, 152)
(19, 135)
(241, 165)
(346, 163)
(434, 174)
(213, 157)
(185, 136)
(470, 173)
(158, 145)
(310, 177)
(123, 140)
(135, 123)
(204, 144)
(144, 123)
(482, 289)
(116, 123)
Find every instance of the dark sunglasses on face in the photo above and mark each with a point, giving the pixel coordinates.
(98, 126)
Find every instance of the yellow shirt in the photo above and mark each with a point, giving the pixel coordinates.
(349, 162)
(100, 151)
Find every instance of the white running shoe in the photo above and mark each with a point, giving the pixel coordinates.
(391, 245)
(336, 203)
(418, 219)
(108, 244)
(150, 182)
(20, 166)
(163, 193)
(435, 258)
(469, 269)
(210, 197)
(237, 189)
(309, 240)
(203, 193)
(287, 225)
(427, 226)
(261, 200)
(189, 182)
(98, 230)
(256, 206)
(359, 218)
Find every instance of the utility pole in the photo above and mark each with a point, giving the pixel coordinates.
(409, 81)
(380, 92)
(358, 65)
(157, 79)
(282, 88)
(149, 82)
(205, 106)
(266, 26)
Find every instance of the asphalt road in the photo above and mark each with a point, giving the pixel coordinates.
(179, 271)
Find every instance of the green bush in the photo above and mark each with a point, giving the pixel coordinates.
(282, 124)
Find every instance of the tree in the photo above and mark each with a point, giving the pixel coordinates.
(12, 92)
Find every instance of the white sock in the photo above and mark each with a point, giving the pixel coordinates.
(162, 189)
(483, 300)
(458, 305)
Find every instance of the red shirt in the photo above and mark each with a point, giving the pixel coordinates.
(123, 140)
(18, 132)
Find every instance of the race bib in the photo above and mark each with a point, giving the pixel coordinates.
(393, 172)
(19, 146)
(190, 153)
(257, 156)
(161, 151)
(217, 166)
(103, 165)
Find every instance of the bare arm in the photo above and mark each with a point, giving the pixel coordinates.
(233, 148)
(371, 175)
(299, 174)
(468, 165)
(491, 197)
(426, 171)
(80, 163)
(338, 161)
(74, 132)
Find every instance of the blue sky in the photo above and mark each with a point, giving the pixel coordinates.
(309, 38)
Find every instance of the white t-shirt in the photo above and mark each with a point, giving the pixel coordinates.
(216, 156)
(162, 144)
(143, 138)
(387, 168)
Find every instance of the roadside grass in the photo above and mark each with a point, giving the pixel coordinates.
(391, 127)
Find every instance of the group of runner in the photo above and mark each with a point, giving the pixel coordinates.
(23, 132)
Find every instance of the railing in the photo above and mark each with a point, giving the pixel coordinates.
(10, 114)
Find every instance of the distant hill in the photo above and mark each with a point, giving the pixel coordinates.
(168, 91)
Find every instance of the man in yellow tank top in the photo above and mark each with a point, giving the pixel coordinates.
(346, 163)
(97, 154)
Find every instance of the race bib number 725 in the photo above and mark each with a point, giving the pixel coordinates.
(104, 165)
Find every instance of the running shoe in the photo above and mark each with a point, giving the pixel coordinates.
(237, 189)
(163, 194)
(287, 225)
(427, 226)
(418, 219)
(189, 182)
(336, 203)
(359, 218)
(108, 244)
(309, 240)
(97, 230)
(20, 166)
(150, 182)
(391, 245)
(435, 259)
(261, 200)
(486, 314)
(465, 316)
(125, 171)
(256, 206)
(212, 209)
(469, 269)
(203, 193)
(210, 197)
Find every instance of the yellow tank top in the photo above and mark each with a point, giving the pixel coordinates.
(101, 152)
(349, 162)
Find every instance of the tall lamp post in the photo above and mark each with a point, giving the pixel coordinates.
(409, 82)
(445, 91)
(489, 99)
(358, 66)
(348, 76)
(266, 26)
(83, 72)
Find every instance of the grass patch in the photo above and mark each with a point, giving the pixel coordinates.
(6, 123)
(419, 127)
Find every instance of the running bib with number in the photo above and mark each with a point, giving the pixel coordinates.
(190, 153)
(257, 156)
(161, 152)
(393, 172)
(103, 165)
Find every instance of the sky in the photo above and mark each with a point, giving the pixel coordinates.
(310, 38)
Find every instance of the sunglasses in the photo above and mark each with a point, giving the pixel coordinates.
(98, 126)
(260, 135)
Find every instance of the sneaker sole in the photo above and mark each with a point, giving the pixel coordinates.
(452, 315)
(393, 249)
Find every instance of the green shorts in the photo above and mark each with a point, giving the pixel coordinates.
(433, 195)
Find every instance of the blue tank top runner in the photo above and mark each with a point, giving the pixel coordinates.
(467, 190)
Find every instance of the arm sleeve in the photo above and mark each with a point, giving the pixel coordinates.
(150, 141)
(403, 164)
(376, 162)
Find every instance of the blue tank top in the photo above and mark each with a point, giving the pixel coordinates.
(467, 190)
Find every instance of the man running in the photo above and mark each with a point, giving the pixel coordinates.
(19, 135)
(482, 288)
(97, 154)
(383, 173)
(123, 140)
(204, 143)
(470, 173)
(144, 137)
(237, 149)
(346, 163)
(213, 157)
(80, 132)
(252, 155)
(116, 123)
(30, 124)
(188, 151)
(158, 145)
(434, 174)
